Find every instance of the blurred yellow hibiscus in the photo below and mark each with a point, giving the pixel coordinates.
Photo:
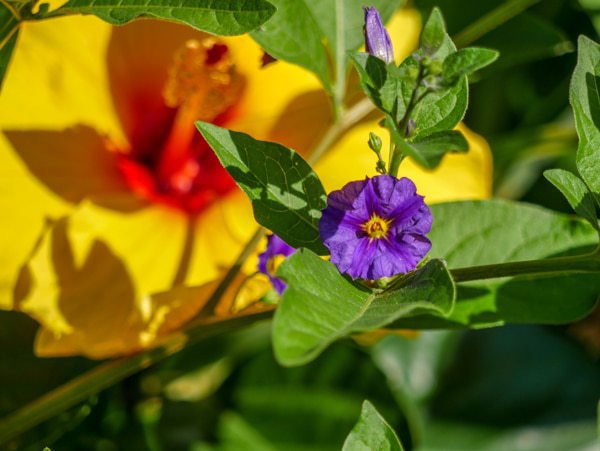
(110, 197)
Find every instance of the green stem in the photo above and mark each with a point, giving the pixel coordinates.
(397, 158)
(353, 115)
(575, 264)
(397, 155)
(491, 20)
(106, 374)
(109, 373)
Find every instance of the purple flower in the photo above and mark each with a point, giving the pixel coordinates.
(376, 227)
(271, 258)
(377, 39)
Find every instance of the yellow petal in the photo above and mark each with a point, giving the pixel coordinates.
(102, 263)
(26, 204)
(57, 77)
(459, 176)
(269, 91)
(404, 28)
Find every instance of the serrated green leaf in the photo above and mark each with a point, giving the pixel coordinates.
(221, 17)
(576, 192)
(442, 110)
(428, 150)
(9, 24)
(585, 100)
(433, 147)
(294, 36)
(287, 196)
(434, 36)
(487, 232)
(320, 306)
(466, 61)
(372, 432)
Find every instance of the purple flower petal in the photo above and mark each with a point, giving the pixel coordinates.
(266, 260)
(377, 39)
(376, 228)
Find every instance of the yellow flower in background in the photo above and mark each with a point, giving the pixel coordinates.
(110, 196)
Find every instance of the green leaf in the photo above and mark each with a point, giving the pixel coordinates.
(432, 148)
(236, 433)
(372, 432)
(381, 82)
(230, 17)
(486, 232)
(576, 192)
(287, 196)
(525, 38)
(466, 61)
(294, 36)
(9, 23)
(341, 23)
(443, 435)
(434, 36)
(5, 54)
(441, 110)
(320, 306)
(313, 33)
(585, 100)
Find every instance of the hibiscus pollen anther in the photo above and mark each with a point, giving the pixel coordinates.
(203, 79)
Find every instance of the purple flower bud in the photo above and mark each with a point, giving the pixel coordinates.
(376, 227)
(271, 258)
(377, 39)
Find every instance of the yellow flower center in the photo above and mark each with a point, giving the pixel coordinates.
(274, 263)
(376, 227)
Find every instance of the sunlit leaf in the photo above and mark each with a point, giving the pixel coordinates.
(487, 232)
(466, 61)
(585, 100)
(576, 192)
(287, 196)
(320, 306)
(294, 36)
(220, 17)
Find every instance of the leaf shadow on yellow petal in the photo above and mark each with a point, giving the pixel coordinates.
(303, 122)
(459, 176)
(26, 204)
(57, 77)
(75, 164)
(90, 306)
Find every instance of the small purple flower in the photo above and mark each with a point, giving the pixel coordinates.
(268, 262)
(377, 39)
(376, 227)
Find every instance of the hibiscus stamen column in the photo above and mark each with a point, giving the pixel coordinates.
(202, 84)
